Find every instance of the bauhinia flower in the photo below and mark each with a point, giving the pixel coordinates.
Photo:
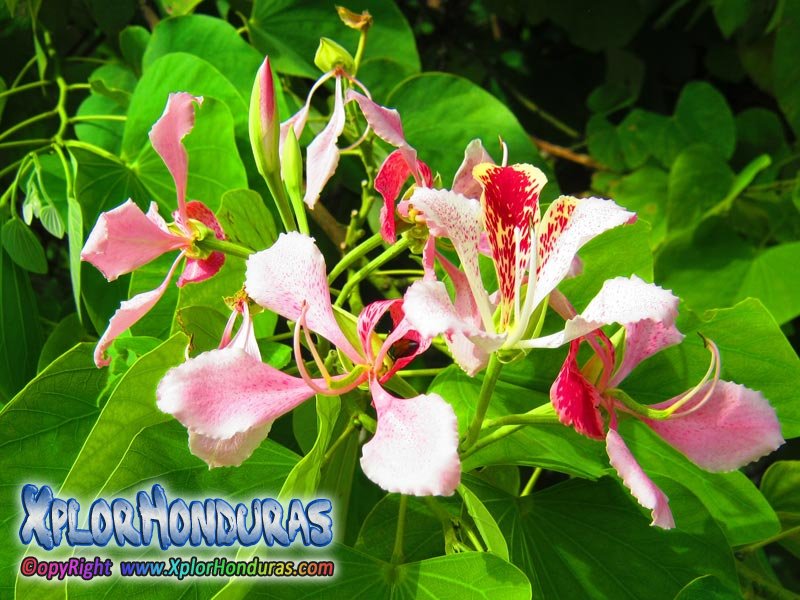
(125, 238)
(531, 256)
(718, 425)
(229, 398)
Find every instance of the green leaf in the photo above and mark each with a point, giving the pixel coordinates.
(178, 7)
(785, 67)
(133, 43)
(583, 539)
(23, 246)
(634, 140)
(714, 267)
(111, 16)
(212, 40)
(423, 537)
(131, 408)
(781, 487)
(429, 104)
(703, 115)
(203, 326)
(604, 143)
(699, 179)
(624, 77)
(467, 575)
(760, 131)
(64, 336)
(754, 353)
(593, 30)
(290, 31)
(75, 236)
(731, 14)
(645, 192)
(40, 431)
(484, 521)
(707, 587)
(246, 220)
(115, 82)
(20, 332)
(104, 134)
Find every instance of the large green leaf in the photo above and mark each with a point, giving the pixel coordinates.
(20, 332)
(24, 248)
(246, 220)
(442, 113)
(290, 32)
(583, 539)
(40, 434)
(131, 407)
(703, 115)
(698, 180)
(713, 266)
(210, 39)
(467, 575)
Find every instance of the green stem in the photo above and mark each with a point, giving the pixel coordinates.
(26, 67)
(397, 552)
(532, 481)
(490, 439)
(770, 540)
(489, 382)
(26, 122)
(362, 44)
(541, 415)
(391, 252)
(367, 422)
(23, 88)
(78, 86)
(534, 108)
(21, 143)
(421, 372)
(356, 253)
(81, 118)
(338, 443)
(213, 243)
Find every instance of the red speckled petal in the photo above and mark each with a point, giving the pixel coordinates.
(575, 399)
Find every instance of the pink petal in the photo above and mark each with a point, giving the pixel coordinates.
(430, 312)
(641, 486)
(229, 452)
(392, 175)
(323, 155)
(575, 399)
(124, 239)
(510, 203)
(404, 343)
(197, 270)
(645, 310)
(222, 393)
(568, 224)
(245, 338)
(456, 217)
(415, 448)
(128, 313)
(291, 272)
(385, 122)
(166, 135)
(734, 427)
(464, 183)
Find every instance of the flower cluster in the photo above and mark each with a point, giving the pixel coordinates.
(228, 398)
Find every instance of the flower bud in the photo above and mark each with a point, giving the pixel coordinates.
(264, 123)
(331, 55)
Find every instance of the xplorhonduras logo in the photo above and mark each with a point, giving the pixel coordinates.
(51, 520)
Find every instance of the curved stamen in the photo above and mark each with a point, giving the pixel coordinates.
(298, 355)
(716, 365)
(364, 135)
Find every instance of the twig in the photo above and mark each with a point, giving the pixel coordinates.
(567, 154)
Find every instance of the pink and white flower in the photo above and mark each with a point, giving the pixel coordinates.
(718, 425)
(125, 238)
(532, 254)
(228, 398)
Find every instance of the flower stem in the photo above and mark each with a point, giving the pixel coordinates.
(81, 118)
(338, 443)
(26, 122)
(421, 372)
(490, 439)
(20, 143)
(770, 540)
(213, 243)
(532, 481)
(348, 259)
(397, 553)
(22, 88)
(489, 383)
(541, 415)
(391, 252)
